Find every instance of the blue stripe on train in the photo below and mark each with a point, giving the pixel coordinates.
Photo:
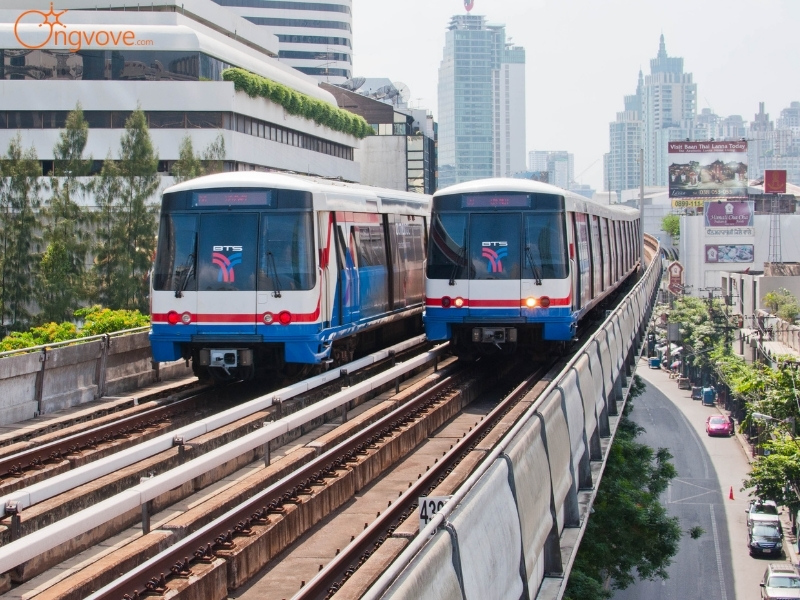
(558, 324)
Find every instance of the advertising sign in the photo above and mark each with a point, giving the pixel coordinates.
(729, 253)
(707, 169)
(675, 271)
(775, 181)
(688, 203)
(729, 214)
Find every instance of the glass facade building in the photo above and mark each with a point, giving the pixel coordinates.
(315, 38)
(481, 103)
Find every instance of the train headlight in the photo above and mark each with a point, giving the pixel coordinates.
(172, 317)
(268, 318)
(446, 301)
(285, 317)
(459, 302)
(544, 301)
(530, 302)
(186, 318)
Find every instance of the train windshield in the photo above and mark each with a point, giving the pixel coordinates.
(286, 252)
(234, 252)
(498, 245)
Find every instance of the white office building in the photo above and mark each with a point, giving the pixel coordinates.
(166, 58)
(313, 37)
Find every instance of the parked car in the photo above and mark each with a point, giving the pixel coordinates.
(781, 581)
(764, 510)
(719, 425)
(697, 392)
(764, 540)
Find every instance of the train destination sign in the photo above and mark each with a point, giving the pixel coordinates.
(232, 198)
(496, 201)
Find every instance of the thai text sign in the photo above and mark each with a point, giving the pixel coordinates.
(729, 214)
(707, 169)
(729, 253)
(675, 271)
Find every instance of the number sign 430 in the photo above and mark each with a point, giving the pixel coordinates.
(428, 507)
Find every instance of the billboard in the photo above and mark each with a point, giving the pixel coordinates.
(729, 213)
(729, 253)
(775, 181)
(707, 169)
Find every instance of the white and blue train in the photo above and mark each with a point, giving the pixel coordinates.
(514, 263)
(267, 272)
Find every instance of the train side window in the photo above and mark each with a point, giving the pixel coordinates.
(286, 252)
(606, 255)
(370, 245)
(447, 252)
(227, 252)
(494, 246)
(176, 257)
(545, 248)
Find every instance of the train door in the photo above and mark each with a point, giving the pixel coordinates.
(612, 245)
(493, 260)
(606, 255)
(226, 273)
(597, 258)
(583, 260)
(347, 286)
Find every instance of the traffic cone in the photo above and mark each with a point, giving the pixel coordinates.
(730, 495)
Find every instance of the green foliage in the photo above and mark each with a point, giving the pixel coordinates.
(672, 225)
(65, 225)
(629, 529)
(770, 473)
(696, 532)
(189, 166)
(783, 304)
(19, 240)
(97, 320)
(296, 103)
(127, 224)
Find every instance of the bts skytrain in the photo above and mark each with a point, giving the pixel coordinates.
(259, 272)
(514, 263)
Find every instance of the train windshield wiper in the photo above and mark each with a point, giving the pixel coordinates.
(271, 267)
(462, 254)
(536, 273)
(187, 270)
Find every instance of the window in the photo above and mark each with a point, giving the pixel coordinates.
(176, 259)
(545, 248)
(286, 252)
(447, 250)
(226, 252)
(494, 246)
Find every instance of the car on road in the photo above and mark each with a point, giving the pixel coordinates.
(764, 510)
(781, 582)
(719, 425)
(764, 539)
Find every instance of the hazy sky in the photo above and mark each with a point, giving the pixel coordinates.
(583, 56)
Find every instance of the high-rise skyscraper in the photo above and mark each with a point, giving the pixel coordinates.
(663, 109)
(315, 38)
(481, 103)
(669, 106)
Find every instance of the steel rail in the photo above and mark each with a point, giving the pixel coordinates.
(152, 575)
(329, 579)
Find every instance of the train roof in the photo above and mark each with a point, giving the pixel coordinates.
(572, 200)
(327, 194)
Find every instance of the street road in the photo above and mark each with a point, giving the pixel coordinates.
(716, 566)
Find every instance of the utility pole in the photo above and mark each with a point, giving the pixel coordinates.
(641, 207)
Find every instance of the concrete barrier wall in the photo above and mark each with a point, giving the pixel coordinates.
(56, 378)
(528, 492)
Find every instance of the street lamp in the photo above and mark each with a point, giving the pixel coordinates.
(763, 417)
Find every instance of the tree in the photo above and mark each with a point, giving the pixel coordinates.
(65, 225)
(671, 224)
(783, 304)
(629, 529)
(125, 251)
(189, 166)
(772, 472)
(19, 201)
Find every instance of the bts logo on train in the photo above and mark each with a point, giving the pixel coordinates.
(494, 252)
(226, 263)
